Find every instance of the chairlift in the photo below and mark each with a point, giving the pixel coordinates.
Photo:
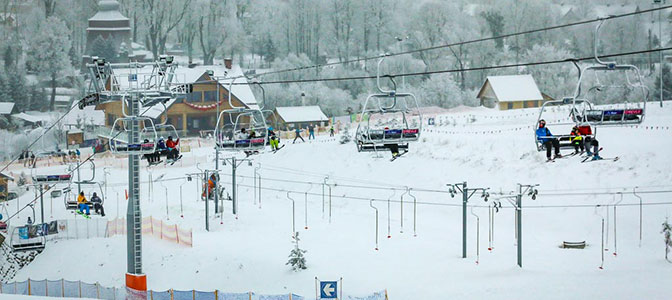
(241, 128)
(631, 112)
(561, 130)
(397, 119)
(88, 187)
(121, 128)
(23, 239)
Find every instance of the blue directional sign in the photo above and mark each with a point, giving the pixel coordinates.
(328, 290)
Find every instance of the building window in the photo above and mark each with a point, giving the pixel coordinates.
(195, 97)
(210, 96)
(526, 104)
(509, 105)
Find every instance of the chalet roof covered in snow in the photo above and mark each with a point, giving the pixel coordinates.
(509, 88)
(35, 116)
(89, 114)
(295, 114)
(6, 108)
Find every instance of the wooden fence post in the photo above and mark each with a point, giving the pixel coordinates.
(29, 287)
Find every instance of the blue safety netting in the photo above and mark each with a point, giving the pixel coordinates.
(7, 288)
(54, 288)
(274, 297)
(375, 296)
(233, 296)
(71, 288)
(183, 295)
(204, 295)
(22, 288)
(106, 293)
(159, 295)
(89, 290)
(38, 287)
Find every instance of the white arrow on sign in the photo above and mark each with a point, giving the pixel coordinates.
(328, 290)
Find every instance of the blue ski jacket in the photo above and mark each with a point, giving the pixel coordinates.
(543, 134)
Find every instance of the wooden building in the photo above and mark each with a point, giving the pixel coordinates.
(292, 117)
(4, 186)
(511, 92)
(195, 112)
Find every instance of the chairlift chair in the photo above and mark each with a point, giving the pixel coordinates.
(88, 187)
(404, 126)
(230, 123)
(630, 112)
(565, 126)
(20, 239)
(147, 135)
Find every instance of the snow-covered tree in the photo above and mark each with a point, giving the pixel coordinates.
(296, 259)
(667, 233)
(49, 52)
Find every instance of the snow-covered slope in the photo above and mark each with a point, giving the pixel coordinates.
(494, 149)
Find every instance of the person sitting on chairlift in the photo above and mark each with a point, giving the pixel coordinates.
(546, 138)
(577, 140)
(273, 139)
(82, 204)
(173, 153)
(97, 204)
(242, 135)
(152, 157)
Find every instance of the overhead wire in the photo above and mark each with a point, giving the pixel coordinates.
(583, 22)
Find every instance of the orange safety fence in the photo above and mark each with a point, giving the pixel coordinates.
(154, 227)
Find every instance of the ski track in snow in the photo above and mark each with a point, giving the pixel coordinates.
(249, 253)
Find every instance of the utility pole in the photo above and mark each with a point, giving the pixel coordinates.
(530, 190)
(464, 190)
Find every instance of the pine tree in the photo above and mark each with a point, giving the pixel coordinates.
(102, 47)
(345, 136)
(17, 90)
(296, 258)
(667, 232)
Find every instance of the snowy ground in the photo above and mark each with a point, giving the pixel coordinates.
(249, 253)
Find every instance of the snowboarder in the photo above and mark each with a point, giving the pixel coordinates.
(83, 204)
(97, 204)
(173, 153)
(297, 135)
(546, 138)
(577, 140)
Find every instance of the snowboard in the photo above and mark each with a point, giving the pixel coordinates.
(83, 214)
(398, 155)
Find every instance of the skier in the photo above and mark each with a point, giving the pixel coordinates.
(210, 186)
(152, 157)
(82, 204)
(274, 141)
(297, 135)
(331, 131)
(97, 204)
(596, 148)
(311, 131)
(546, 138)
(173, 153)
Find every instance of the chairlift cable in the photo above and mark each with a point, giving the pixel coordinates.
(583, 22)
